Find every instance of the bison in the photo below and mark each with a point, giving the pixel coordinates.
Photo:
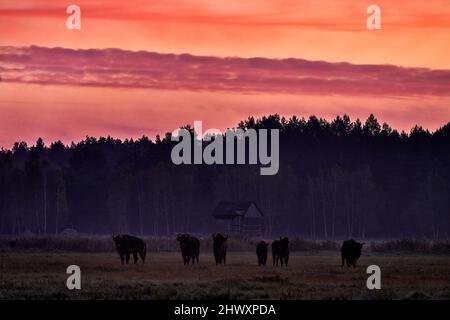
(220, 248)
(126, 245)
(350, 252)
(280, 251)
(261, 253)
(190, 248)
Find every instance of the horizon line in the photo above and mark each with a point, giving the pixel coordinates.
(164, 135)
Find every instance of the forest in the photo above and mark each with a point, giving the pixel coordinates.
(336, 179)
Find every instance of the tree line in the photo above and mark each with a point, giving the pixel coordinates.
(337, 179)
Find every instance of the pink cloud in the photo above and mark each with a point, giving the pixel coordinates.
(141, 69)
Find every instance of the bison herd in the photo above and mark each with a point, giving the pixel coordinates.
(127, 245)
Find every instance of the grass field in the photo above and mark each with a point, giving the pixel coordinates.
(309, 276)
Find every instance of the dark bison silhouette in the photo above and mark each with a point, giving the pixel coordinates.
(261, 253)
(190, 248)
(280, 251)
(220, 248)
(350, 252)
(126, 245)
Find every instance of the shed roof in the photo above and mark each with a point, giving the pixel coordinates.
(229, 210)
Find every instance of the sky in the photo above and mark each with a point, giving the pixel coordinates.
(146, 67)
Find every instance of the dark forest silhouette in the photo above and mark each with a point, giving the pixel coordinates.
(336, 179)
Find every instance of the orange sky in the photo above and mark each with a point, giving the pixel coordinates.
(70, 113)
(415, 34)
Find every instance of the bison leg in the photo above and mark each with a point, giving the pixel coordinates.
(122, 258)
(142, 255)
(286, 260)
(135, 257)
(343, 260)
(127, 258)
(185, 259)
(143, 252)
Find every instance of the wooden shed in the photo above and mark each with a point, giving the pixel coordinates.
(245, 218)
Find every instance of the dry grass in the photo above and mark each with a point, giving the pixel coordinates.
(98, 243)
(412, 245)
(309, 276)
(101, 243)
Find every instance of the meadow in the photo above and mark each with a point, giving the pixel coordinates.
(310, 275)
